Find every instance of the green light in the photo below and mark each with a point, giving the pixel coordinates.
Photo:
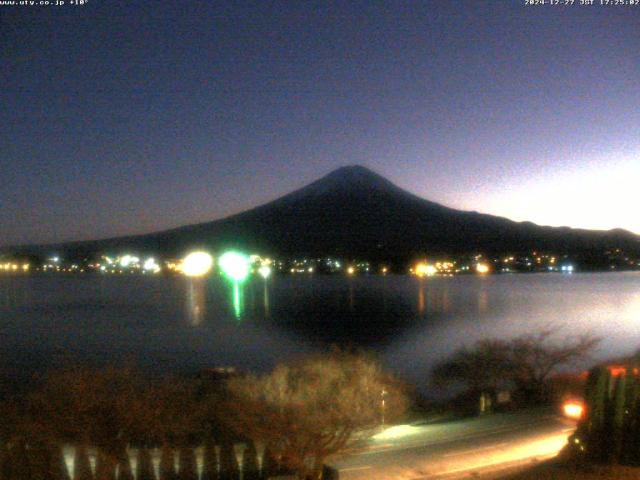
(234, 265)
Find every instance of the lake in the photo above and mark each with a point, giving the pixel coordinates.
(179, 324)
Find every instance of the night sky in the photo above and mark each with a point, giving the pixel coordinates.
(130, 117)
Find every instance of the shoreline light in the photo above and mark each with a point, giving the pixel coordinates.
(197, 264)
(264, 271)
(234, 265)
(150, 265)
(482, 268)
(425, 270)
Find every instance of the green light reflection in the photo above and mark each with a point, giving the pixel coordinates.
(237, 303)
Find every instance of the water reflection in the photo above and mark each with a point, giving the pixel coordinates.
(351, 296)
(447, 305)
(196, 300)
(265, 297)
(411, 324)
(483, 300)
(421, 301)
(237, 300)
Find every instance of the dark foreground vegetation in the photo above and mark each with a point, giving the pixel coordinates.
(606, 444)
(111, 423)
(522, 371)
(115, 423)
(610, 431)
(569, 469)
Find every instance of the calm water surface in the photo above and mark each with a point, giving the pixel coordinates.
(180, 324)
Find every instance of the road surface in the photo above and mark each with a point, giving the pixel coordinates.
(477, 446)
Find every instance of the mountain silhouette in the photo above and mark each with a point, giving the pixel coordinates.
(354, 212)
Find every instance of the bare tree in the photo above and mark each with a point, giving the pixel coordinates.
(309, 410)
(536, 356)
(524, 363)
(485, 367)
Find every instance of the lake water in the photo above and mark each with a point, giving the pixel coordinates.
(179, 324)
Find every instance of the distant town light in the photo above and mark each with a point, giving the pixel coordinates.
(264, 271)
(424, 269)
(234, 265)
(482, 268)
(351, 270)
(126, 260)
(197, 264)
(150, 265)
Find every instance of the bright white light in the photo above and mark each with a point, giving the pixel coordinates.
(234, 265)
(126, 260)
(150, 265)
(197, 264)
(264, 271)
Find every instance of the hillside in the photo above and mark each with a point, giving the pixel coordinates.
(355, 212)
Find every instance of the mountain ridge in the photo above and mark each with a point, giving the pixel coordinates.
(355, 212)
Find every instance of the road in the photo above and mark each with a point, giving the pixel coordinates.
(478, 446)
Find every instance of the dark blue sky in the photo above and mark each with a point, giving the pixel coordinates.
(128, 117)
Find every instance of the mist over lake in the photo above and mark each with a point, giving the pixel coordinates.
(179, 324)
